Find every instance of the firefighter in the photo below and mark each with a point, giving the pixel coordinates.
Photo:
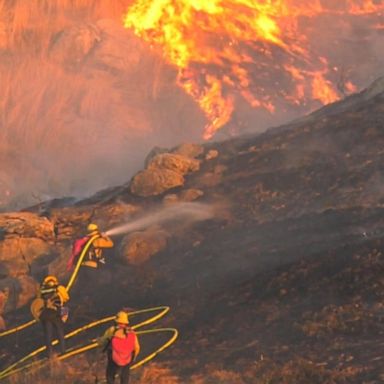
(122, 346)
(88, 274)
(49, 308)
(94, 256)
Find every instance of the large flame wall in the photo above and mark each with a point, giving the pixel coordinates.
(82, 98)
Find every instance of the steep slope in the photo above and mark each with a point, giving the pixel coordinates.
(284, 284)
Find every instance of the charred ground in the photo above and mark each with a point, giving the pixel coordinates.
(286, 283)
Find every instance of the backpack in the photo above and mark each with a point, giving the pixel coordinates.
(123, 348)
(77, 247)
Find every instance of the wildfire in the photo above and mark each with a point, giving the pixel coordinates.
(226, 50)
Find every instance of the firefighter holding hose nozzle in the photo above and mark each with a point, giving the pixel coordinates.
(92, 260)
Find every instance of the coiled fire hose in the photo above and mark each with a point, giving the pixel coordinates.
(68, 287)
(18, 367)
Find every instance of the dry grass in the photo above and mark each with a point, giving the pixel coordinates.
(297, 371)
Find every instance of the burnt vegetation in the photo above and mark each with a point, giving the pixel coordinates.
(284, 285)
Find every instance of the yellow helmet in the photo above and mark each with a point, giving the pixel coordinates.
(122, 318)
(51, 280)
(92, 227)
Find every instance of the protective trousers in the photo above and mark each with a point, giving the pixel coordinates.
(113, 369)
(50, 322)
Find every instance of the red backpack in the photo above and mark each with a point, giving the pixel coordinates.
(77, 247)
(123, 348)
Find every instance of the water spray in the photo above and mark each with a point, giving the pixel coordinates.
(190, 212)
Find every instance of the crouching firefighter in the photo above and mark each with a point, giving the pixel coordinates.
(49, 308)
(122, 347)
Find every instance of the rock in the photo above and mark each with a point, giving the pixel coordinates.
(212, 154)
(174, 162)
(26, 225)
(152, 182)
(190, 194)
(154, 152)
(18, 254)
(10, 289)
(164, 171)
(2, 324)
(28, 289)
(16, 292)
(189, 150)
(170, 199)
(25, 238)
(4, 294)
(138, 247)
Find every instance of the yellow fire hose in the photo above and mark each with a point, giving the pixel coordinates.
(12, 369)
(78, 264)
(68, 287)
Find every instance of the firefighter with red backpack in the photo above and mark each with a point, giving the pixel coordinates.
(88, 273)
(122, 347)
(94, 256)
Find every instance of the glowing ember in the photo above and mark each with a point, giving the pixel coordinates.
(252, 49)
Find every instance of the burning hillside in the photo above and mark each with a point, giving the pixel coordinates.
(81, 95)
(272, 269)
(266, 52)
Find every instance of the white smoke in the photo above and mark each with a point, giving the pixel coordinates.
(190, 212)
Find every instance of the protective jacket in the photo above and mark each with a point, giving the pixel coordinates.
(95, 253)
(119, 332)
(49, 302)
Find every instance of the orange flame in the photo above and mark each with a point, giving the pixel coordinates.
(226, 49)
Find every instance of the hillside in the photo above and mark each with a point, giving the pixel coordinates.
(283, 285)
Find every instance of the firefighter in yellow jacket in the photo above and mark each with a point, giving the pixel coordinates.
(94, 255)
(89, 273)
(122, 347)
(49, 309)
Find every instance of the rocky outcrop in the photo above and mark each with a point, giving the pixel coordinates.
(138, 247)
(151, 182)
(164, 171)
(190, 194)
(187, 195)
(174, 162)
(190, 150)
(25, 238)
(212, 154)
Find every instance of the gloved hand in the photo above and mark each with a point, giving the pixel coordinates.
(102, 260)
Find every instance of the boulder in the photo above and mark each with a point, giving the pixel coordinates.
(15, 293)
(153, 153)
(25, 237)
(170, 198)
(4, 294)
(190, 194)
(152, 182)
(138, 247)
(18, 254)
(212, 154)
(173, 162)
(189, 150)
(25, 225)
(28, 289)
